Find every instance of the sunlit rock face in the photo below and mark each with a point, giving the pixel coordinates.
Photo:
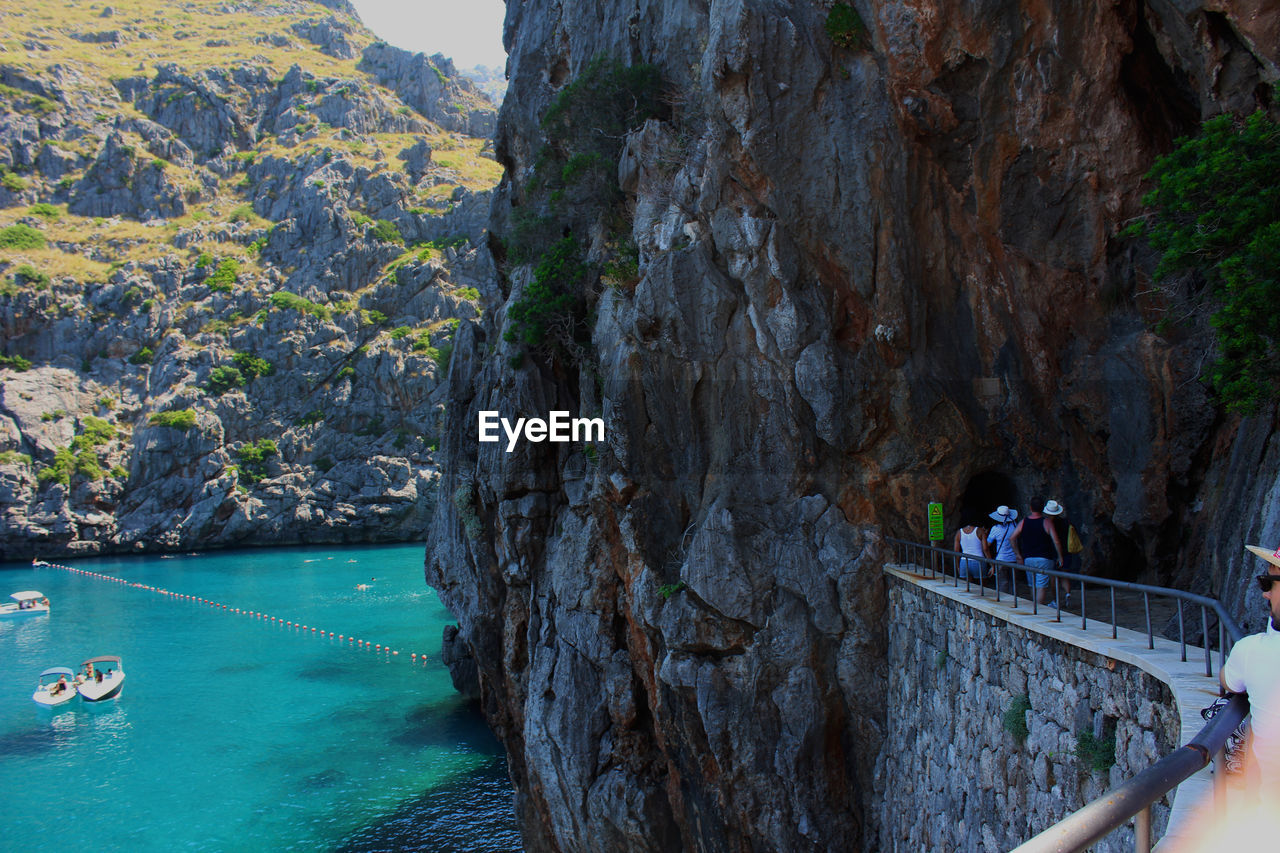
(162, 226)
(868, 278)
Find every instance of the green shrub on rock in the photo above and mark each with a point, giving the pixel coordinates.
(183, 419)
(20, 236)
(287, 299)
(26, 274)
(251, 366)
(1216, 214)
(573, 190)
(253, 458)
(94, 432)
(226, 275)
(15, 362)
(1098, 754)
(1015, 718)
(387, 232)
(845, 27)
(11, 181)
(223, 379)
(88, 465)
(549, 308)
(670, 589)
(60, 471)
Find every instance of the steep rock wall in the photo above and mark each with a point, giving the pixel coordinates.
(867, 279)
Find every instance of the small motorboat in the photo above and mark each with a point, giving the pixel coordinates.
(55, 687)
(26, 603)
(99, 684)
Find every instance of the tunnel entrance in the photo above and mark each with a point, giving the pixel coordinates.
(985, 492)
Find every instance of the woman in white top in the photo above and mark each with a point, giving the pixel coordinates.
(972, 539)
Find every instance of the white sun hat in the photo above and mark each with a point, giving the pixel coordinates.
(1004, 513)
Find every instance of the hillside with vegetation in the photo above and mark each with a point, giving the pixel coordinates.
(236, 240)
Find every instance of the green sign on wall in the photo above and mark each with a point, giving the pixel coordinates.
(935, 522)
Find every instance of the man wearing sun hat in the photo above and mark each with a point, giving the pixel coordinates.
(1253, 667)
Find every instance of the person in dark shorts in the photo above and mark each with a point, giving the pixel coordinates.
(1037, 546)
(1067, 534)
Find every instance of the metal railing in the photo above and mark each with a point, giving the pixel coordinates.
(1133, 798)
(938, 560)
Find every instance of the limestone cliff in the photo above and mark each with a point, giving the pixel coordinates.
(235, 243)
(875, 267)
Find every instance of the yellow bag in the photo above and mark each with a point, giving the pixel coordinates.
(1074, 545)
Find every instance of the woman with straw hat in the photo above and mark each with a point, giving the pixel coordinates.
(1253, 667)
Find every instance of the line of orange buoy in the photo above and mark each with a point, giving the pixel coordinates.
(253, 614)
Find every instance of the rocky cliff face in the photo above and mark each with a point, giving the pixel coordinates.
(235, 245)
(873, 270)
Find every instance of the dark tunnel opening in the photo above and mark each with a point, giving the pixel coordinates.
(983, 494)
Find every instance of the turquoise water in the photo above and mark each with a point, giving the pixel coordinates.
(237, 733)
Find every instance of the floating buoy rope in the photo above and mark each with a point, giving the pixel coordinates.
(386, 650)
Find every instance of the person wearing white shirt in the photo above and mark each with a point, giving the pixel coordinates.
(1253, 667)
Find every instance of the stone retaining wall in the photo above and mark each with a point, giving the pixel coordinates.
(954, 777)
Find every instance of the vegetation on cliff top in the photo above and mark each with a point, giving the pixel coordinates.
(1216, 214)
(575, 188)
(81, 66)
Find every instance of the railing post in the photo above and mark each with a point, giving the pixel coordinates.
(1113, 613)
(1220, 782)
(1204, 638)
(1142, 831)
(1222, 645)
(1182, 632)
(1146, 606)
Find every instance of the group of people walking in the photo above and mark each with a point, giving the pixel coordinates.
(1044, 540)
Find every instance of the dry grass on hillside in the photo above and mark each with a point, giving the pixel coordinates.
(190, 34)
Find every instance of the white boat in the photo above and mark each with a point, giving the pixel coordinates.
(101, 684)
(26, 603)
(56, 686)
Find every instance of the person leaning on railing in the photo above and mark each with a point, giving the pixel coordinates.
(1253, 667)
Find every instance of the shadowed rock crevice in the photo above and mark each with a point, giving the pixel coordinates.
(1162, 96)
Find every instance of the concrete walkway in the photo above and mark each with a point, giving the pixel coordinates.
(1192, 689)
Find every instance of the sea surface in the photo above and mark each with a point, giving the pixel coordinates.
(237, 732)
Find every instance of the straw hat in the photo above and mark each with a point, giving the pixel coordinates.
(1004, 513)
(1272, 557)
(1053, 508)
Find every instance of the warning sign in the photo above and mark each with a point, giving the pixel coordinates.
(935, 522)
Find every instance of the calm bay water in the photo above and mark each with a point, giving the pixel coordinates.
(234, 733)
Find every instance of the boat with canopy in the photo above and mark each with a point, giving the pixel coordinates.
(29, 602)
(101, 682)
(55, 687)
